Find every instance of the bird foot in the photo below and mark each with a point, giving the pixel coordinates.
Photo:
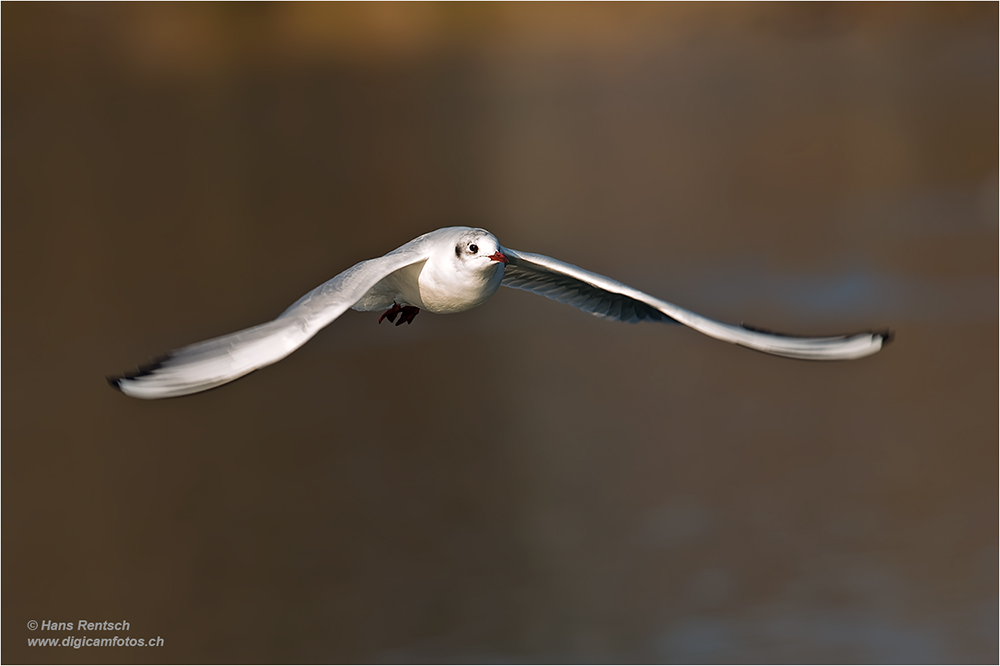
(406, 313)
(391, 313)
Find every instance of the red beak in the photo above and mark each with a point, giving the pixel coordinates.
(499, 256)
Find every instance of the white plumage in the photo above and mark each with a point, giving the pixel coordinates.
(444, 271)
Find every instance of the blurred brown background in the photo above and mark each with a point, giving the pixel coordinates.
(521, 482)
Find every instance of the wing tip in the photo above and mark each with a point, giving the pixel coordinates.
(887, 335)
(117, 382)
(831, 348)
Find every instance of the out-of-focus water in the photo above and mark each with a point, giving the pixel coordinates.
(521, 482)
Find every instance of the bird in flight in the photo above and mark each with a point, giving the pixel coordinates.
(445, 271)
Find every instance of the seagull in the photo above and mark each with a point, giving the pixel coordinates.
(450, 270)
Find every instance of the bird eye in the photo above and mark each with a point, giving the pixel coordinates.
(473, 248)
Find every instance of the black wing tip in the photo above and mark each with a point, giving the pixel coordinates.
(888, 336)
(140, 371)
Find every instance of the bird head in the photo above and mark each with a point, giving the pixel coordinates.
(477, 250)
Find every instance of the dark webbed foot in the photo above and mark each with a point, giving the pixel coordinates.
(406, 313)
(391, 313)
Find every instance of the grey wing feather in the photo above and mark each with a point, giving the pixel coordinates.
(214, 362)
(569, 284)
(610, 299)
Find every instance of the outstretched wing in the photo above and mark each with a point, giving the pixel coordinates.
(607, 298)
(214, 362)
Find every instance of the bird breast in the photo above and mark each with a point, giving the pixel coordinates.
(444, 291)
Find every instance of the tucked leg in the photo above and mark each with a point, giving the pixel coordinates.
(392, 313)
(407, 313)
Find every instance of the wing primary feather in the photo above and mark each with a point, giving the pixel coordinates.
(566, 283)
(205, 365)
